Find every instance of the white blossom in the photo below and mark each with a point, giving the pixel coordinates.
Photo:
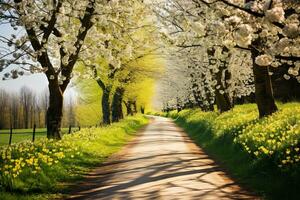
(293, 71)
(275, 14)
(292, 30)
(287, 77)
(264, 60)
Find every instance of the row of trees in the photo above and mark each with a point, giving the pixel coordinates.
(128, 59)
(105, 39)
(228, 48)
(231, 48)
(26, 108)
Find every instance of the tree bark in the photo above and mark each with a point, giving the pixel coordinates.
(134, 107)
(105, 101)
(142, 109)
(222, 97)
(54, 112)
(264, 95)
(222, 102)
(117, 111)
(106, 106)
(128, 108)
(263, 89)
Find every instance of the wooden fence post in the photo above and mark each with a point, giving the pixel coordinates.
(33, 133)
(70, 129)
(10, 135)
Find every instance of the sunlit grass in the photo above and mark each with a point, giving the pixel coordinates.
(20, 135)
(44, 169)
(261, 153)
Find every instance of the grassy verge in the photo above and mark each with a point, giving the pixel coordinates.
(262, 154)
(44, 169)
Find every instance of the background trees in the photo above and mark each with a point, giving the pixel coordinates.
(122, 58)
(217, 52)
(239, 46)
(44, 45)
(51, 40)
(23, 109)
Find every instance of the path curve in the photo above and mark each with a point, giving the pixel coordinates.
(161, 163)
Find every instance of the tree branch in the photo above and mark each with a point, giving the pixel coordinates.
(86, 24)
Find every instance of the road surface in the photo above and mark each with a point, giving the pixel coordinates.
(161, 163)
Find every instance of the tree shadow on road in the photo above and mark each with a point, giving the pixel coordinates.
(99, 186)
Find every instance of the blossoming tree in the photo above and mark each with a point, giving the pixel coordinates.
(215, 76)
(50, 39)
(114, 61)
(270, 31)
(267, 30)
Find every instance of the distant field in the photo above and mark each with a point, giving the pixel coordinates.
(25, 134)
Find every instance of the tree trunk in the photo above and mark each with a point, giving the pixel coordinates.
(54, 112)
(222, 102)
(263, 89)
(117, 111)
(142, 109)
(128, 108)
(222, 97)
(106, 106)
(105, 101)
(134, 107)
(178, 106)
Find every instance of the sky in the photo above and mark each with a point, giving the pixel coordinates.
(36, 82)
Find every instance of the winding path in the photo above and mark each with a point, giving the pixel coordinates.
(161, 163)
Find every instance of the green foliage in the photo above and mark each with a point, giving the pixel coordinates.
(88, 111)
(34, 171)
(131, 60)
(260, 153)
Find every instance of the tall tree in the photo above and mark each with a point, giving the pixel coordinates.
(269, 30)
(52, 40)
(130, 37)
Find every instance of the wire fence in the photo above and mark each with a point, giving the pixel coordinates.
(7, 137)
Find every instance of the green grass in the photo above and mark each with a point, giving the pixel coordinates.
(262, 154)
(20, 135)
(44, 169)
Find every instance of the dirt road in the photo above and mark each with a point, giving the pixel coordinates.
(162, 163)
